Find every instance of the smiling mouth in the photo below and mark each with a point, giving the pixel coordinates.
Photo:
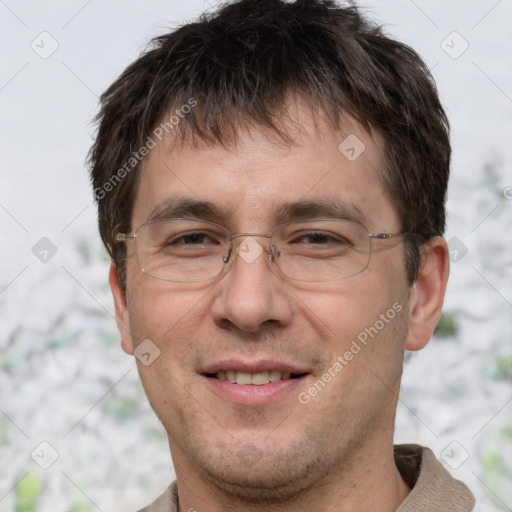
(254, 379)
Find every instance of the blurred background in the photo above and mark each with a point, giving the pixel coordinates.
(76, 432)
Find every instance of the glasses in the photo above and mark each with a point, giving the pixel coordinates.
(189, 250)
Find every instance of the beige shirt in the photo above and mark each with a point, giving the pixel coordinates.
(433, 488)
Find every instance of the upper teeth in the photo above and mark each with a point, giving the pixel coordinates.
(256, 379)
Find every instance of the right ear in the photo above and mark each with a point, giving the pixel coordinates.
(122, 316)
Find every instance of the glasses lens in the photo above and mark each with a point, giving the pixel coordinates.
(324, 250)
(181, 250)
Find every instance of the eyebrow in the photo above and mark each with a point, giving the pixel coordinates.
(172, 207)
(175, 207)
(319, 208)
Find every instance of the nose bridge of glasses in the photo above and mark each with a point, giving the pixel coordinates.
(248, 239)
(247, 248)
(238, 235)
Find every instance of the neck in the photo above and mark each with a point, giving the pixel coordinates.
(370, 482)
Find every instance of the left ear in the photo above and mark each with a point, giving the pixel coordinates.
(122, 316)
(427, 295)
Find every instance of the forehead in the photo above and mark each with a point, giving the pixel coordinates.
(261, 179)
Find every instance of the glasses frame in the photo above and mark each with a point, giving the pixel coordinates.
(126, 237)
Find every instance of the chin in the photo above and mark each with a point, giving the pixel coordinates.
(269, 484)
(263, 475)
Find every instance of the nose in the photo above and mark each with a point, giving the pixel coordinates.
(250, 296)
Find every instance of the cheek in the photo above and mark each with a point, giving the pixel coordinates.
(343, 309)
(362, 325)
(170, 319)
(168, 315)
(369, 345)
(155, 315)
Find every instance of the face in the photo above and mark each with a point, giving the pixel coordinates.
(341, 341)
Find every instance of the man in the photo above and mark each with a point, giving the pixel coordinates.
(271, 184)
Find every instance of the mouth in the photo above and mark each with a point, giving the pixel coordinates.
(253, 379)
(253, 383)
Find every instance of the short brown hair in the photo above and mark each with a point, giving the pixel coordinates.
(237, 67)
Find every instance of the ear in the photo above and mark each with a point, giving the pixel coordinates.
(427, 295)
(122, 317)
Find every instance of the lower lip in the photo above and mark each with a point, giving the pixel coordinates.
(253, 395)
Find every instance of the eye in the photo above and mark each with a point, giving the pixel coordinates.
(192, 239)
(319, 238)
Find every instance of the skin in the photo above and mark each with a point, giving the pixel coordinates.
(335, 453)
